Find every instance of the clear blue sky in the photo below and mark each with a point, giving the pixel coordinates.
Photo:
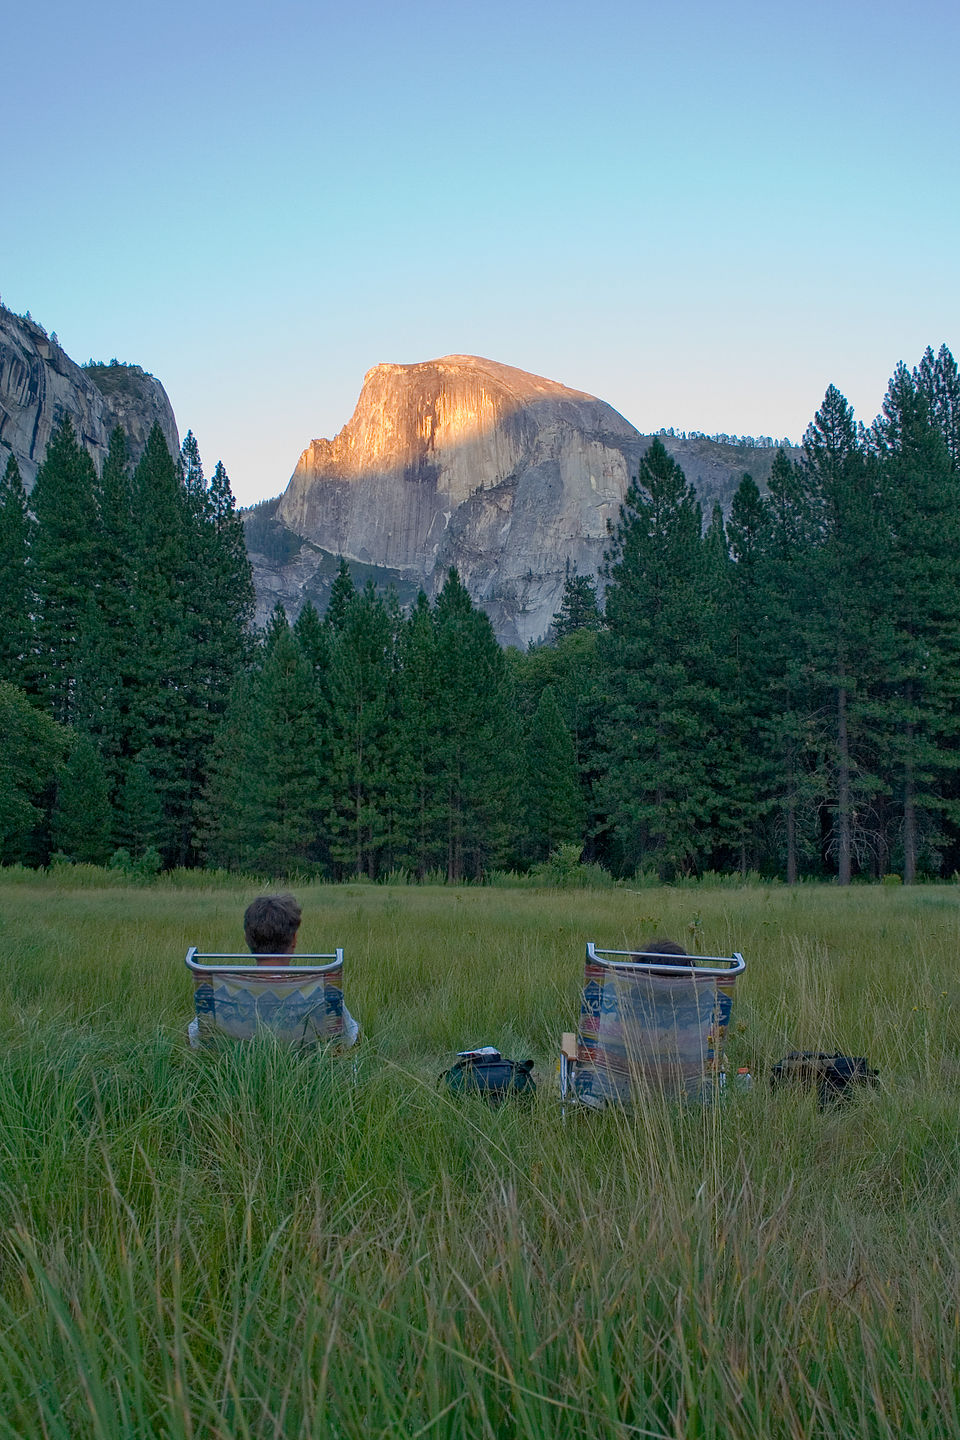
(702, 213)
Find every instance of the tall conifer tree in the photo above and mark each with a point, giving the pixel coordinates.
(749, 716)
(579, 607)
(82, 822)
(477, 736)
(15, 623)
(362, 777)
(32, 751)
(313, 637)
(937, 380)
(64, 562)
(787, 597)
(265, 797)
(218, 608)
(419, 787)
(921, 504)
(553, 810)
(109, 672)
(163, 720)
(342, 592)
(662, 710)
(848, 567)
(139, 820)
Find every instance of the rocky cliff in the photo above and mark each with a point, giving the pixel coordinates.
(463, 461)
(466, 462)
(39, 384)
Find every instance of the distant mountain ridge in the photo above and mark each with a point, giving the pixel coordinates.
(510, 477)
(40, 384)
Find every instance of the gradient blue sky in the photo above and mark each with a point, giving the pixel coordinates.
(702, 213)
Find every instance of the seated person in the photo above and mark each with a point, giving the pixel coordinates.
(270, 925)
(661, 950)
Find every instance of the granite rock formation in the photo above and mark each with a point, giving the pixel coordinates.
(39, 384)
(463, 461)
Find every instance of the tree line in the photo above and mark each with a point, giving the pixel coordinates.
(775, 693)
(124, 618)
(781, 693)
(145, 719)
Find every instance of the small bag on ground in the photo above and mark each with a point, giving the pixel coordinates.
(832, 1076)
(491, 1075)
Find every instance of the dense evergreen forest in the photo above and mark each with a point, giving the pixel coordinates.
(778, 693)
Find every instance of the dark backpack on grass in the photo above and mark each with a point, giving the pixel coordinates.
(832, 1076)
(489, 1074)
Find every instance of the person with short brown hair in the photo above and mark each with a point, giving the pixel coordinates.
(659, 948)
(270, 924)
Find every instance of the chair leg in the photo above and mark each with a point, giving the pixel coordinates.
(566, 1084)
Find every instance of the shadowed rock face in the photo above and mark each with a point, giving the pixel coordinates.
(39, 384)
(462, 461)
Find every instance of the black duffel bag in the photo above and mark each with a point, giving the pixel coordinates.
(491, 1075)
(832, 1076)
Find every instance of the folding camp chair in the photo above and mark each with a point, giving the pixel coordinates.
(649, 1024)
(237, 996)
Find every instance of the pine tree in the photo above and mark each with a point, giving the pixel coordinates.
(748, 704)
(848, 569)
(477, 736)
(922, 605)
(228, 809)
(139, 821)
(572, 668)
(579, 607)
(420, 834)
(313, 637)
(662, 706)
(219, 611)
(110, 663)
(163, 720)
(553, 810)
(342, 591)
(192, 602)
(229, 584)
(937, 381)
(32, 750)
(82, 819)
(191, 468)
(729, 746)
(266, 794)
(361, 735)
(286, 755)
(15, 624)
(787, 597)
(64, 559)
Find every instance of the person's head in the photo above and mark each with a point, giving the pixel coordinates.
(270, 924)
(668, 952)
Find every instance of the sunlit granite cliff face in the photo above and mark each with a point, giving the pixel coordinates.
(39, 384)
(466, 462)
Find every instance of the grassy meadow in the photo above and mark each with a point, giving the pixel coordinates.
(265, 1244)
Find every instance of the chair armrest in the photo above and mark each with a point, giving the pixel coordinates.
(568, 1045)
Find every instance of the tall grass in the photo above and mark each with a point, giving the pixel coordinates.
(266, 1244)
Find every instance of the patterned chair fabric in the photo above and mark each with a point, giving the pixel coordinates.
(299, 1004)
(650, 1026)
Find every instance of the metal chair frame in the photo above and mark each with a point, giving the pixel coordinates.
(253, 969)
(254, 962)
